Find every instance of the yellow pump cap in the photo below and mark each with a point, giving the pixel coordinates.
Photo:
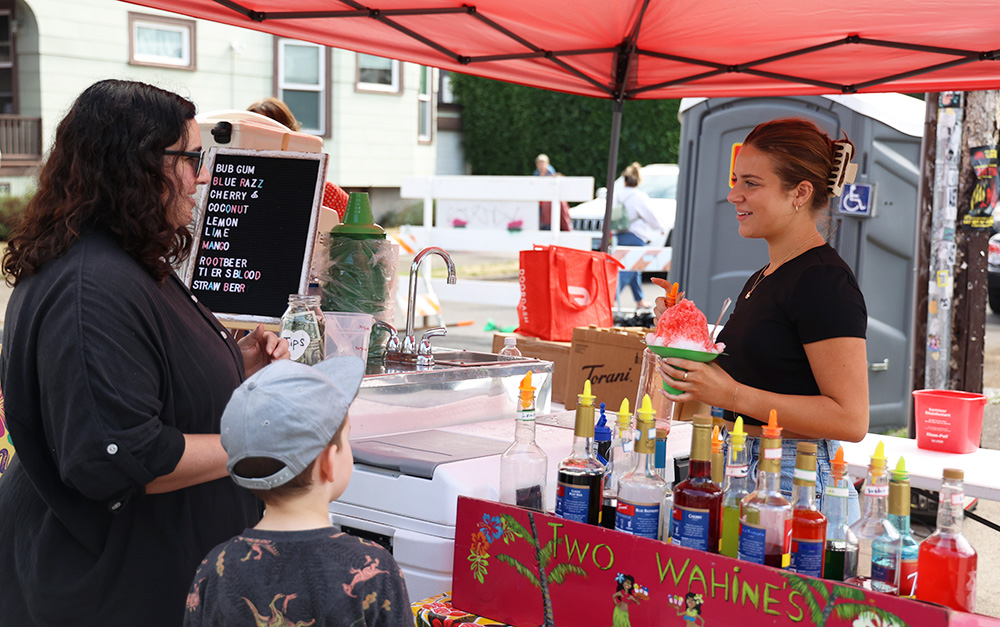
(624, 416)
(646, 412)
(738, 437)
(586, 399)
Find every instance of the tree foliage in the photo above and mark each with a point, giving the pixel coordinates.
(505, 126)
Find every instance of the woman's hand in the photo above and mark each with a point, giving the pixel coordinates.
(661, 301)
(705, 382)
(260, 348)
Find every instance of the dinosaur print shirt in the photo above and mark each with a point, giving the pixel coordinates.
(314, 578)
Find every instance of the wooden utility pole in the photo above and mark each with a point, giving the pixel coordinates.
(980, 128)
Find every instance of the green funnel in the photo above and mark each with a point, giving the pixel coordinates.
(359, 223)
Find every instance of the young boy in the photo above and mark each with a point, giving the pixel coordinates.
(285, 430)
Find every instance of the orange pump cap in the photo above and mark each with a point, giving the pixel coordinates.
(716, 440)
(772, 430)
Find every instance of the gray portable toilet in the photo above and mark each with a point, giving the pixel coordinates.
(712, 262)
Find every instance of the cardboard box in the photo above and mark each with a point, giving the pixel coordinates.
(611, 359)
(556, 352)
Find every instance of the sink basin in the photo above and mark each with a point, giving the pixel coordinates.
(467, 358)
(461, 387)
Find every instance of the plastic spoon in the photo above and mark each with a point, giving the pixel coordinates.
(725, 308)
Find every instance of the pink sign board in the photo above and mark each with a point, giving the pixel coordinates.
(516, 566)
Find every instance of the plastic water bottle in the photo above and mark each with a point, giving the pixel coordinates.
(509, 351)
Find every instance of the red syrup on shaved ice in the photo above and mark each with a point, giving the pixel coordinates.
(684, 326)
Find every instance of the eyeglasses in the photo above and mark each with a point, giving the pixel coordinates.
(197, 158)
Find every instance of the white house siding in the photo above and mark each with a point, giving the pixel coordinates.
(63, 46)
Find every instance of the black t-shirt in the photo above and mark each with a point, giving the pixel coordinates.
(809, 298)
(316, 577)
(103, 371)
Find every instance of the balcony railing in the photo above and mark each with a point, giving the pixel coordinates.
(20, 140)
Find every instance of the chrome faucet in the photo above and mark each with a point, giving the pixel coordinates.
(411, 350)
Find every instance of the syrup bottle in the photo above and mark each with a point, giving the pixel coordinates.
(841, 557)
(622, 445)
(899, 516)
(737, 486)
(808, 523)
(641, 490)
(879, 544)
(524, 465)
(581, 475)
(766, 515)
(696, 520)
(718, 459)
(946, 567)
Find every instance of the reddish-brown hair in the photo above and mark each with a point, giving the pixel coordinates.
(799, 151)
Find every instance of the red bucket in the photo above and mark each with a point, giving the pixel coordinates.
(948, 420)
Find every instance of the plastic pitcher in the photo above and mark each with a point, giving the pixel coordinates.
(949, 420)
(348, 333)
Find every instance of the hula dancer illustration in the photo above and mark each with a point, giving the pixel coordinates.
(626, 592)
(692, 609)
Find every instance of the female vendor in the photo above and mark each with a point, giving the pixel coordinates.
(115, 376)
(795, 341)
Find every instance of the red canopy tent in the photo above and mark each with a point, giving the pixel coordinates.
(626, 49)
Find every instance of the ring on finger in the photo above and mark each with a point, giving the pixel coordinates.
(685, 377)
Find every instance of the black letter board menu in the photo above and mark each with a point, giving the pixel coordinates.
(255, 231)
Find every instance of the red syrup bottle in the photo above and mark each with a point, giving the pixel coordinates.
(696, 519)
(808, 523)
(946, 565)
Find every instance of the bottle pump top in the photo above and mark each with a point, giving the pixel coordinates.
(900, 474)
(672, 294)
(838, 466)
(646, 412)
(772, 430)
(359, 223)
(716, 440)
(624, 416)
(877, 466)
(738, 438)
(527, 395)
(602, 432)
(586, 398)
(899, 490)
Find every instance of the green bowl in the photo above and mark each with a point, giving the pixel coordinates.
(681, 353)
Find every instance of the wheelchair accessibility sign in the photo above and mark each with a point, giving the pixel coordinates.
(858, 200)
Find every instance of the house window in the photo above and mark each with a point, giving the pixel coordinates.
(8, 102)
(378, 74)
(161, 41)
(445, 94)
(424, 108)
(302, 83)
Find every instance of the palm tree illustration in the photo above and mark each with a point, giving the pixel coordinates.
(543, 559)
(847, 602)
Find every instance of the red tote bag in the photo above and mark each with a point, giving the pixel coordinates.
(563, 288)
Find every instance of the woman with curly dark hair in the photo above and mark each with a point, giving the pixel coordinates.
(114, 376)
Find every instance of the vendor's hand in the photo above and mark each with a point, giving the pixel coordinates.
(661, 301)
(705, 382)
(260, 348)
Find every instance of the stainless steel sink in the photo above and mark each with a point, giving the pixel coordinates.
(465, 359)
(461, 387)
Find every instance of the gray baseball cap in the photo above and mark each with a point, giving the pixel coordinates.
(288, 412)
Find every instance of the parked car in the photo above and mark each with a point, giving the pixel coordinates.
(659, 180)
(993, 273)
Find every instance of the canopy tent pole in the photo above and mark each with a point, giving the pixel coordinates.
(616, 130)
